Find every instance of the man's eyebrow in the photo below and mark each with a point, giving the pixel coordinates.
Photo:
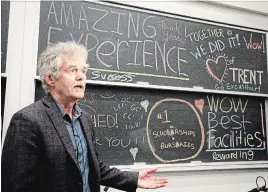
(71, 66)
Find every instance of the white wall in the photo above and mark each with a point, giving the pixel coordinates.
(21, 67)
(259, 7)
(209, 11)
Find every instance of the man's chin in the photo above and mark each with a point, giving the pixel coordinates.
(79, 96)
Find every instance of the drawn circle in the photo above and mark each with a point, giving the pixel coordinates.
(151, 144)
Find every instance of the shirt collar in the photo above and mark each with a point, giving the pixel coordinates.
(76, 113)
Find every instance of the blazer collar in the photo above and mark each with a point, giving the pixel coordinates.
(57, 120)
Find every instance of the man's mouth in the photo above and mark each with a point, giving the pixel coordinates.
(79, 86)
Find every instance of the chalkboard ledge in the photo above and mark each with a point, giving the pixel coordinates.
(162, 87)
(144, 86)
(196, 166)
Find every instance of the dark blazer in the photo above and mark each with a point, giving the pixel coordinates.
(38, 155)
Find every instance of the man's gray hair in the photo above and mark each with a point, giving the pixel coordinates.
(50, 60)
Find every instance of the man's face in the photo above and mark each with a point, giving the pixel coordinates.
(70, 86)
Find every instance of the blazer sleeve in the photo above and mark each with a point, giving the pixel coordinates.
(20, 155)
(113, 177)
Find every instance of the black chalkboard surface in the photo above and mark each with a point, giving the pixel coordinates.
(132, 46)
(5, 6)
(153, 126)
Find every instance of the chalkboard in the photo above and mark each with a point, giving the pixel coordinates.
(5, 6)
(158, 127)
(137, 47)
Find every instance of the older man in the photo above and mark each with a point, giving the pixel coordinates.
(49, 144)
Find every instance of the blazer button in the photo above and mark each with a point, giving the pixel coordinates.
(79, 183)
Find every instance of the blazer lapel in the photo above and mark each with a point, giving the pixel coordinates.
(57, 120)
(87, 132)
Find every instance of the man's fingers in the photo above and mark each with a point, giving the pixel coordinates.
(161, 179)
(149, 171)
(158, 185)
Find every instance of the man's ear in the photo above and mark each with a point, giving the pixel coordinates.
(50, 79)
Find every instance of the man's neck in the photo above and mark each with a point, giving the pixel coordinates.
(65, 104)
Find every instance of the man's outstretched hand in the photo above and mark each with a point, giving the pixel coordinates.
(147, 181)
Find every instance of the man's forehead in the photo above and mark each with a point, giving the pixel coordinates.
(71, 64)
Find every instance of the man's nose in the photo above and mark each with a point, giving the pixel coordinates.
(80, 75)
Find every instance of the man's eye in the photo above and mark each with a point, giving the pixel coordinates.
(72, 70)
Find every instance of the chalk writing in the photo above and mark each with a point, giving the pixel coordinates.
(254, 45)
(174, 137)
(176, 128)
(246, 76)
(228, 116)
(237, 155)
(130, 46)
